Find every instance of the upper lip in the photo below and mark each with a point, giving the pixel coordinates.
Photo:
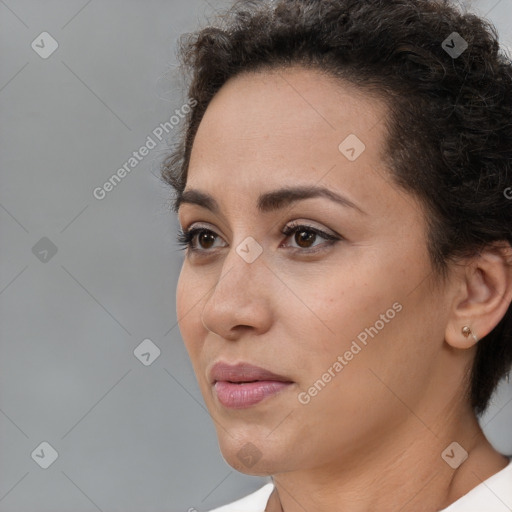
(242, 372)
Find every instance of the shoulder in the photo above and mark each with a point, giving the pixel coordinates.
(255, 502)
(492, 495)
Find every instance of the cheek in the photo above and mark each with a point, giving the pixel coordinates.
(335, 305)
(361, 309)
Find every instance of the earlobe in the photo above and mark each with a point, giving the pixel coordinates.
(483, 297)
(466, 331)
(463, 338)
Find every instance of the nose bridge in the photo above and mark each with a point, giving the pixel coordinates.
(243, 264)
(237, 296)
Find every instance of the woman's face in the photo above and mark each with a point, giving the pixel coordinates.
(355, 324)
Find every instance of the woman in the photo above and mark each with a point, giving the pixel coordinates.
(343, 189)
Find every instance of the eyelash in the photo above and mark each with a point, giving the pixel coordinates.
(186, 237)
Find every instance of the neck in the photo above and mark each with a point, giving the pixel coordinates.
(402, 470)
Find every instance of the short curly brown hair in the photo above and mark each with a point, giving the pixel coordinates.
(450, 116)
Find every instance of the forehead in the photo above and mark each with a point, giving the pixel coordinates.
(294, 102)
(264, 128)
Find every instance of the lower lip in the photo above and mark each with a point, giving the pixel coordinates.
(240, 396)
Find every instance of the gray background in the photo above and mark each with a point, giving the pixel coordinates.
(129, 436)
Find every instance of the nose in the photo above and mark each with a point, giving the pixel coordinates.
(241, 298)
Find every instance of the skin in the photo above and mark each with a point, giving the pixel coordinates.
(394, 408)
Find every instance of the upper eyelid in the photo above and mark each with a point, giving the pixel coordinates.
(290, 225)
(198, 225)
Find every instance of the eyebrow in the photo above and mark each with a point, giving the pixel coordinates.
(269, 201)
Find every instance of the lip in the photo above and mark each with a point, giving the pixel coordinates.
(243, 385)
(243, 372)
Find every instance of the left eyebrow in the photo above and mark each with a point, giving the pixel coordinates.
(268, 201)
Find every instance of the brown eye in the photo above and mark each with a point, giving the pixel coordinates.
(304, 238)
(206, 239)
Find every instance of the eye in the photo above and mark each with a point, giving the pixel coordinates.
(304, 236)
(185, 238)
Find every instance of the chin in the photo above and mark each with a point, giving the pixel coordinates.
(244, 465)
(255, 458)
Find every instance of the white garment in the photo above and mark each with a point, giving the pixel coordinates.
(492, 495)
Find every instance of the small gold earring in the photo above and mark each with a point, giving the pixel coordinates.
(466, 331)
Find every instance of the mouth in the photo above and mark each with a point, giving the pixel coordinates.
(243, 373)
(245, 385)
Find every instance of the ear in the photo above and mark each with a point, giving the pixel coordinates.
(483, 295)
